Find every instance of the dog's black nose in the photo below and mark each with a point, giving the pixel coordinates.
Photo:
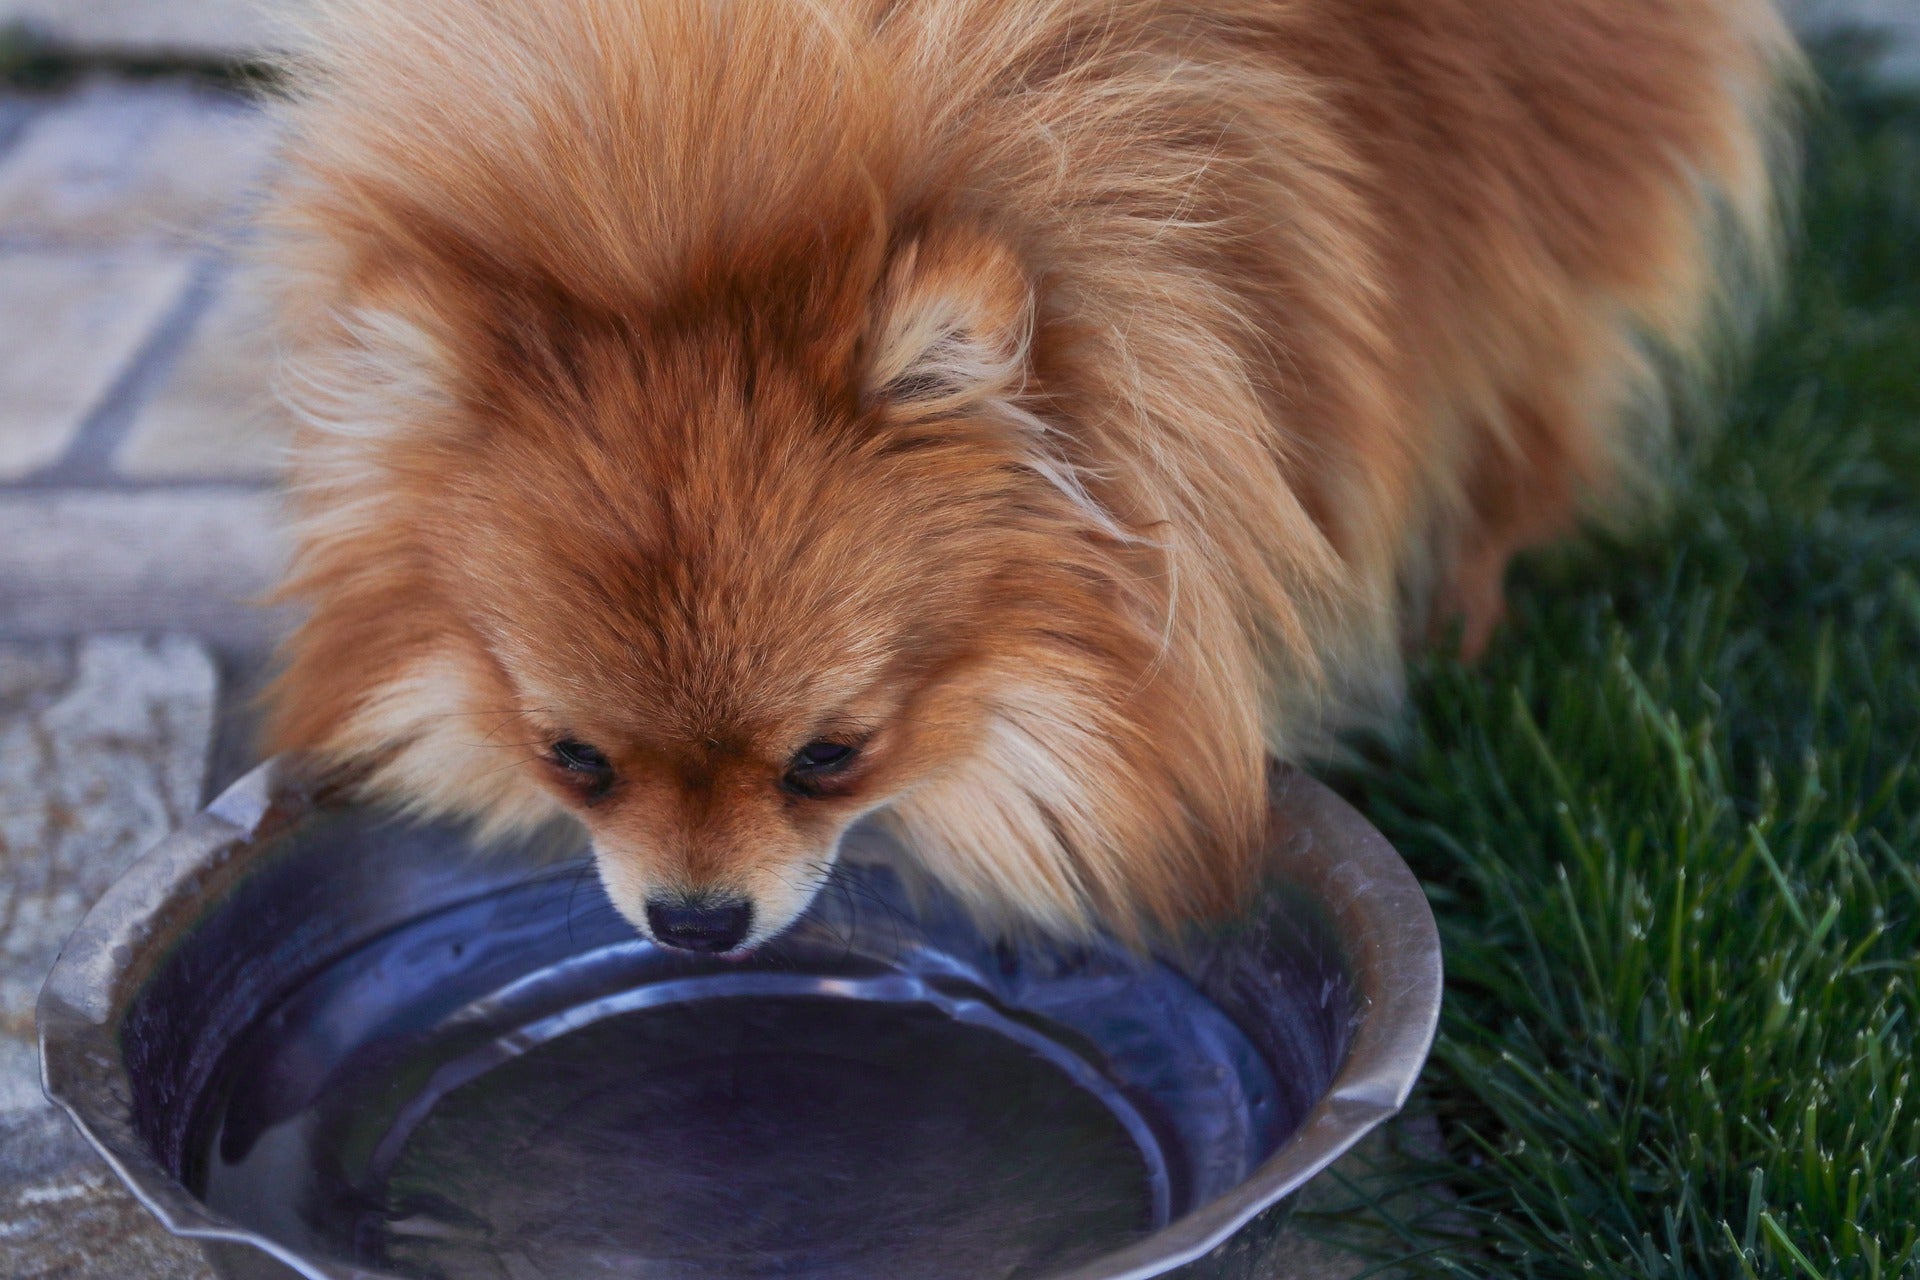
(706, 925)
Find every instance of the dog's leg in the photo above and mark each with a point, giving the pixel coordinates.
(1522, 489)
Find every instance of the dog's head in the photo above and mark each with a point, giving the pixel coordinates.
(694, 452)
(717, 587)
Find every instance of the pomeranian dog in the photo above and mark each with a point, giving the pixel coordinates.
(724, 419)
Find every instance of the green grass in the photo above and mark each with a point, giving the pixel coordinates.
(1671, 826)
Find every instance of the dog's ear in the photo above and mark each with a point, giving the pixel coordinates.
(952, 327)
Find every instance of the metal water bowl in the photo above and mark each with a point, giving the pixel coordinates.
(332, 1045)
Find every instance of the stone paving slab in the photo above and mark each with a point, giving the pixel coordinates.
(70, 324)
(115, 200)
(215, 414)
(185, 559)
(103, 750)
(116, 163)
(155, 28)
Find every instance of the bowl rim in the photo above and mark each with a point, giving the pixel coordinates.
(1381, 916)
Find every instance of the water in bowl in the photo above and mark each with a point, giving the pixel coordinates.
(738, 1137)
(511, 1087)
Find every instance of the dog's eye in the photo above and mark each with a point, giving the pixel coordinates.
(813, 763)
(824, 755)
(577, 757)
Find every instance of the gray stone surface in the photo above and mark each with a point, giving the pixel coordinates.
(116, 202)
(116, 163)
(70, 325)
(185, 559)
(215, 415)
(103, 750)
(165, 28)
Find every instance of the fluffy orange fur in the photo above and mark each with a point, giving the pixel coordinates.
(1067, 403)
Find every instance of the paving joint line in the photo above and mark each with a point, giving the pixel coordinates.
(13, 126)
(88, 458)
(46, 483)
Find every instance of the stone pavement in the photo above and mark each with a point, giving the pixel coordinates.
(138, 438)
(104, 747)
(138, 432)
(154, 28)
